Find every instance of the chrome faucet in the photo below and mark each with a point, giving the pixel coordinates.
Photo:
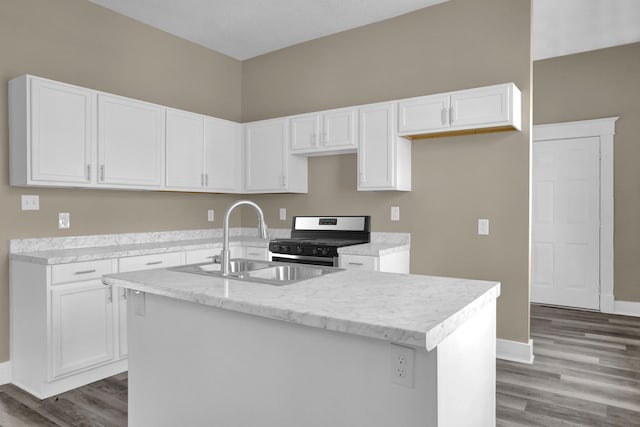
(262, 232)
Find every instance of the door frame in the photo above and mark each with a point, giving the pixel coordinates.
(604, 129)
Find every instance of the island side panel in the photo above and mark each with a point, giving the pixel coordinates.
(191, 364)
(467, 372)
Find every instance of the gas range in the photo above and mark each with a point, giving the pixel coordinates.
(316, 239)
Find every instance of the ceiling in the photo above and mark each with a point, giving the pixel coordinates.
(243, 29)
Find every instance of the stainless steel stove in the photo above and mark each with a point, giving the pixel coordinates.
(316, 239)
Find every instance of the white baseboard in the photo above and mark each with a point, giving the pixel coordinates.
(626, 308)
(514, 351)
(5, 372)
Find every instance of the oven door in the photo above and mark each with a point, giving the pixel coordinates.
(305, 259)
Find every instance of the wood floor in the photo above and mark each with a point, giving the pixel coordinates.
(586, 373)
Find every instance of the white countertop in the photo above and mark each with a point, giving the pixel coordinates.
(62, 250)
(406, 309)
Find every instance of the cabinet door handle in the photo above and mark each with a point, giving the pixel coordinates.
(201, 180)
(89, 173)
(355, 263)
(206, 179)
(101, 173)
(154, 263)
(85, 272)
(453, 114)
(109, 294)
(283, 179)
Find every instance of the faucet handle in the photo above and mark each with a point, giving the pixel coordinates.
(217, 259)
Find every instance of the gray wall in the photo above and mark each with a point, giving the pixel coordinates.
(591, 85)
(77, 42)
(454, 45)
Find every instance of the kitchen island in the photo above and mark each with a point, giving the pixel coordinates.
(351, 348)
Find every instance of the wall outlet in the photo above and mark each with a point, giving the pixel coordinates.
(283, 214)
(210, 215)
(30, 203)
(395, 213)
(402, 365)
(64, 220)
(483, 227)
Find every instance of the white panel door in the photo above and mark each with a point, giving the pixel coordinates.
(223, 155)
(424, 114)
(82, 326)
(185, 138)
(305, 132)
(376, 153)
(339, 129)
(566, 222)
(130, 142)
(62, 132)
(480, 107)
(265, 144)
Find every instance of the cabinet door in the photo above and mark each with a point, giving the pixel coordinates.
(130, 142)
(424, 114)
(339, 129)
(265, 144)
(82, 326)
(305, 133)
(62, 132)
(376, 151)
(480, 107)
(123, 346)
(222, 155)
(185, 137)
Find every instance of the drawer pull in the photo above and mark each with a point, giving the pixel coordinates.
(355, 263)
(85, 272)
(154, 263)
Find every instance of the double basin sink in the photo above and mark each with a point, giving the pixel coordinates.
(267, 272)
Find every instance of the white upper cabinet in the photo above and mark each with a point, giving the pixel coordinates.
(203, 153)
(222, 155)
(52, 133)
(384, 160)
(323, 133)
(130, 143)
(185, 140)
(488, 108)
(269, 168)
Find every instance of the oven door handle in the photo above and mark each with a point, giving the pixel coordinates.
(300, 259)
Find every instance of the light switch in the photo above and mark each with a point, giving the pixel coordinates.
(483, 227)
(210, 215)
(395, 213)
(64, 220)
(30, 203)
(283, 214)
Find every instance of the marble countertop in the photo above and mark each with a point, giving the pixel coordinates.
(405, 309)
(92, 253)
(62, 250)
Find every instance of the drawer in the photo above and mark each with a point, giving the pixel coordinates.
(256, 252)
(80, 271)
(202, 255)
(147, 262)
(359, 262)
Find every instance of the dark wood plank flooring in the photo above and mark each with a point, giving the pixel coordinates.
(586, 373)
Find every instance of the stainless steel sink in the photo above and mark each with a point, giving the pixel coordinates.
(286, 273)
(268, 272)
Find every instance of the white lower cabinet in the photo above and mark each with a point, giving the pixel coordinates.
(81, 326)
(396, 262)
(63, 326)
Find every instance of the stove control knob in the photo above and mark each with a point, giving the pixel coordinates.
(299, 249)
(284, 249)
(314, 251)
(325, 251)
